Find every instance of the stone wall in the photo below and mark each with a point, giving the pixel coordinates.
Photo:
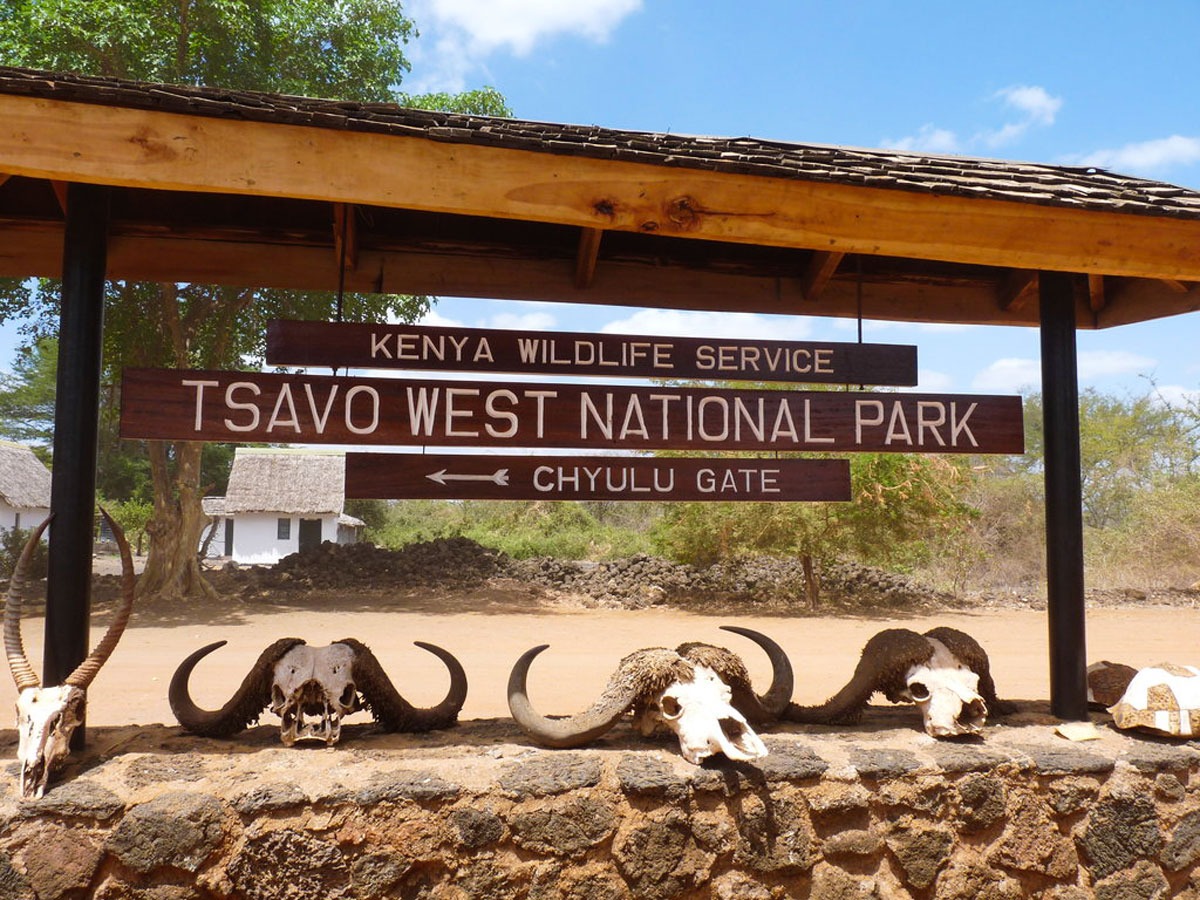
(880, 811)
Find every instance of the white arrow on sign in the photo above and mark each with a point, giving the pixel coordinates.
(500, 477)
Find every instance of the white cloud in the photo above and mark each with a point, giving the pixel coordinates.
(434, 318)
(531, 321)
(500, 314)
(1010, 376)
(1176, 395)
(685, 323)
(1095, 364)
(1034, 105)
(933, 381)
(1147, 156)
(928, 139)
(465, 32)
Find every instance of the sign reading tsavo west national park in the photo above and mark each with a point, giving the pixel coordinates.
(173, 404)
(486, 477)
(366, 346)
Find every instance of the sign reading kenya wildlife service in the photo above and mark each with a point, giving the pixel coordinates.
(377, 476)
(173, 404)
(416, 347)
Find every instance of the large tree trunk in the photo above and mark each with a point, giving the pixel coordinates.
(172, 569)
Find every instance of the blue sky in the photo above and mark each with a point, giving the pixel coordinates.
(1102, 83)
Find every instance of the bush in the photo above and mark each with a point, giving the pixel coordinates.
(12, 542)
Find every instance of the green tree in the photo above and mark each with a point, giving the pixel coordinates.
(350, 50)
(1126, 445)
(899, 503)
(27, 394)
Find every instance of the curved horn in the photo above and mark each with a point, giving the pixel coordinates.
(87, 670)
(392, 711)
(14, 648)
(244, 707)
(766, 707)
(573, 730)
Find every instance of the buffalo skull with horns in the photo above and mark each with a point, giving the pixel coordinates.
(700, 692)
(48, 716)
(944, 672)
(311, 689)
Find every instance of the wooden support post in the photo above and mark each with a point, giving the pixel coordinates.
(586, 256)
(76, 417)
(1064, 498)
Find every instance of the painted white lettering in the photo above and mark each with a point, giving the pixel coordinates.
(373, 400)
(199, 386)
(252, 408)
(451, 413)
(863, 417)
(285, 397)
(511, 417)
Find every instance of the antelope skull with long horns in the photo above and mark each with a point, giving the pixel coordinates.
(48, 716)
(311, 689)
(700, 692)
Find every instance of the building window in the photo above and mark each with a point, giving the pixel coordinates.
(284, 532)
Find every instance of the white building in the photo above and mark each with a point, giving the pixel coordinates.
(24, 488)
(279, 502)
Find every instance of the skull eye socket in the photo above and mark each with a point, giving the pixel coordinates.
(347, 696)
(918, 691)
(671, 707)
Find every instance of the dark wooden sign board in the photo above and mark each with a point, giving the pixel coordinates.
(418, 347)
(174, 404)
(412, 476)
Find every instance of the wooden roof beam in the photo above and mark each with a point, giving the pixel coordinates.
(1018, 288)
(587, 256)
(345, 236)
(821, 267)
(1096, 298)
(158, 150)
(60, 191)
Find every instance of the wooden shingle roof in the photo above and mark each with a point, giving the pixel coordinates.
(244, 188)
(1085, 187)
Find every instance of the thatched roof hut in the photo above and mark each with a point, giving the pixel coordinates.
(291, 482)
(24, 479)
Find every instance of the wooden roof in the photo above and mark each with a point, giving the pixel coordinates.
(246, 189)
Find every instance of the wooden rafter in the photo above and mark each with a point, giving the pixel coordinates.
(1177, 287)
(1018, 288)
(170, 151)
(345, 222)
(60, 191)
(1096, 299)
(821, 267)
(587, 256)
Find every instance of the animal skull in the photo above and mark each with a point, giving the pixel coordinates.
(700, 714)
(311, 689)
(946, 691)
(48, 716)
(1163, 698)
(700, 692)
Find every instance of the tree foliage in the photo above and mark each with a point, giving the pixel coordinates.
(348, 50)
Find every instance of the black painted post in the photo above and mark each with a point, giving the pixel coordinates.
(1064, 499)
(76, 418)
